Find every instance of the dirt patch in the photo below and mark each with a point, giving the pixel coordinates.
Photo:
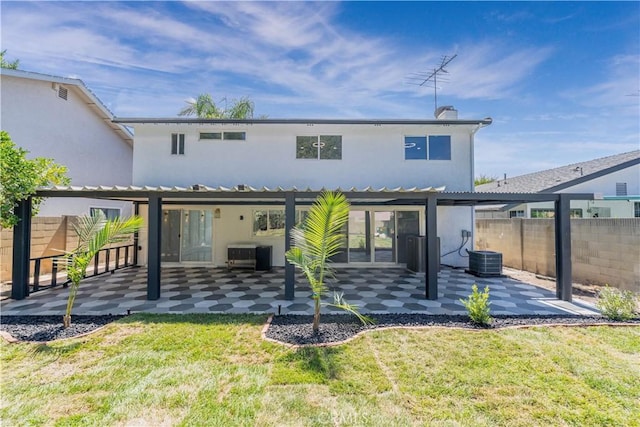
(587, 293)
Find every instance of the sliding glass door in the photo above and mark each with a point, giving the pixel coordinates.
(380, 237)
(384, 237)
(187, 235)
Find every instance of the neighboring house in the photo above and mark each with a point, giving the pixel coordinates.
(259, 156)
(60, 118)
(615, 181)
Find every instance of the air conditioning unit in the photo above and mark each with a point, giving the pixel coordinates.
(485, 263)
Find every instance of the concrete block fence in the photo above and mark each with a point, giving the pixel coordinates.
(604, 250)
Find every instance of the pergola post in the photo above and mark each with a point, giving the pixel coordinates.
(136, 235)
(563, 247)
(431, 253)
(289, 223)
(21, 250)
(154, 234)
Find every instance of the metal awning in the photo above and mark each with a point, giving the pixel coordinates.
(247, 194)
(429, 198)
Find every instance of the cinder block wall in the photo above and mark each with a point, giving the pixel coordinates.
(604, 250)
(49, 236)
(504, 234)
(607, 251)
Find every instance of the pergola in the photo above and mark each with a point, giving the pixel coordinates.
(430, 198)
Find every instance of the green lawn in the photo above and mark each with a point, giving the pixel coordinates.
(216, 371)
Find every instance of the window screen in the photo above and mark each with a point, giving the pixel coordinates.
(440, 147)
(210, 135)
(415, 147)
(177, 143)
(323, 147)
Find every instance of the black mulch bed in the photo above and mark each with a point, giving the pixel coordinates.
(290, 329)
(296, 329)
(49, 328)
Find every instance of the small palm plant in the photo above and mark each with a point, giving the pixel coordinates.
(94, 234)
(314, 242)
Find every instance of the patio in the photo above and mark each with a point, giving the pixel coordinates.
(216, 290)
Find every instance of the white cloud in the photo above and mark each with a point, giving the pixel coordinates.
(257, 49)
(491, 70)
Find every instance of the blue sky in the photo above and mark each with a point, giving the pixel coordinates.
(560, 79)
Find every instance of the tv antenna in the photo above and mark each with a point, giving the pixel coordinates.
(430, 78)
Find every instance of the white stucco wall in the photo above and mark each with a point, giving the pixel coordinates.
(230, 229)
(372, 155)
(618, 208)
(606, 185)
(69, 132)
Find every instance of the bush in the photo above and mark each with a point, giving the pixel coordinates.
(616, 304)
(477, 305)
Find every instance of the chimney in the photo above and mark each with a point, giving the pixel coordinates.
(446, 112)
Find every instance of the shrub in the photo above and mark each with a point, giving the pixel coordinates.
(477, 305)
(616, 304)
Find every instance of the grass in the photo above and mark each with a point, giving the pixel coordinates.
(215, 370)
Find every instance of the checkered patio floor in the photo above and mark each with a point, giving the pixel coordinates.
(215, 290)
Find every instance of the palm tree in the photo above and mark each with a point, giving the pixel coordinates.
(205, 107)
(314, 242)
(94, 234)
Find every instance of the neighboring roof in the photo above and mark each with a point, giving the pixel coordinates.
(88, 97)
(180, 120)
(552, 180)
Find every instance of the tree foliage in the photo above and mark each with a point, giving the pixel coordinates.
(94, 234)
(205, 107)
(13, 65)
(483, 179)
(20, 177)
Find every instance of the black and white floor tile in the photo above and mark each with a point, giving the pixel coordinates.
(213, 290)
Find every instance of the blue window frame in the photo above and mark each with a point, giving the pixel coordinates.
(415, 147)
(440, 147)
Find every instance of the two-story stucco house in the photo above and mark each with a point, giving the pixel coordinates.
(306, 155)
(60, 118)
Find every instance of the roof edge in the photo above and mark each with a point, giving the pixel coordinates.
(177, 120)
(124, 132)
(594, 175)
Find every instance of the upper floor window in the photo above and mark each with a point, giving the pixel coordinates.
(433, 147)
(227, 136)
(177, 143)
(636, 209)
(621, 188)
(323, 147)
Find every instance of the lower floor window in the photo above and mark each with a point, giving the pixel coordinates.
(636, 209)
(271, 222)
(268, 222)
(550, 213)
(109, 213)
